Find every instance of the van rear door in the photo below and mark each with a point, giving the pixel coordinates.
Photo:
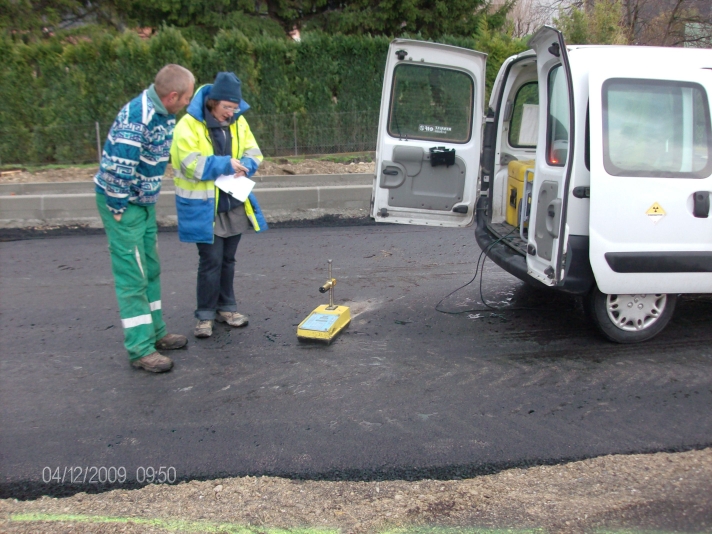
(651, 178)
(429, 135)
(547, 239)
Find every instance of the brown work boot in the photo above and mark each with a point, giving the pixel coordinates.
(232, 318)
(171, 342)
(155, 363)
(203, 329)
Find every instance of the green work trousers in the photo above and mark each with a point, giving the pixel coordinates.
(137, 271)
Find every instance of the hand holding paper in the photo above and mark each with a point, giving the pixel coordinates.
(239, 168)
(239, 187)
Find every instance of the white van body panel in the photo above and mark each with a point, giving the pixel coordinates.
(586, 58)
(585, 217)
(634, 245)
(406, 184)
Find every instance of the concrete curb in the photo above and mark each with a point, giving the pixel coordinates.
(282, 198)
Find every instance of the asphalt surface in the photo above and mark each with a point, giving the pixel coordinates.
(404, 392)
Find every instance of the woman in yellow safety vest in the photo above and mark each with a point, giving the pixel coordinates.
(211, 140)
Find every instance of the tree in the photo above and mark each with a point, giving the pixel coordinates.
(204, 18)
(668, 22)
(527, 16)
(603, 24)
(45, 17)
(641, 22)
(427, 18)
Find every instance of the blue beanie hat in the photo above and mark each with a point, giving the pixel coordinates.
(226, 87)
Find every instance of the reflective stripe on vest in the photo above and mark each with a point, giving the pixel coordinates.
(254, 153)
(196, 194)
(188, 160)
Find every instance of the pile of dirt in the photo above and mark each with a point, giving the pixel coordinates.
(313, 166)
(661, 492)
(68, 174)
(268, 168)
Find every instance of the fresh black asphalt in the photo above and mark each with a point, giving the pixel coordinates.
(404, 392)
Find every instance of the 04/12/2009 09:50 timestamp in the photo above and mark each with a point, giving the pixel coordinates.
(108, 475)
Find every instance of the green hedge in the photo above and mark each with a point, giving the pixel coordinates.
(53, 91)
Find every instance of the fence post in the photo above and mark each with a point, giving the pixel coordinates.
(296, 152)
(98, 141)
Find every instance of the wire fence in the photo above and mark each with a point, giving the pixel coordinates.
(290, 134)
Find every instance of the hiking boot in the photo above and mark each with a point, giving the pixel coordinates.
(231, 318)
(171, 342)
(203, 329)
(155, 363)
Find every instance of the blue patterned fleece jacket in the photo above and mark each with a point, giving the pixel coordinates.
(136, 153)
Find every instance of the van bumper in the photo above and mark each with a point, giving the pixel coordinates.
(579, 277)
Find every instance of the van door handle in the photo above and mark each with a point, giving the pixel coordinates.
(553, 220)
(701, 204)
(392, 175)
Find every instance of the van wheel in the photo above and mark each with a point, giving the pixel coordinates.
(629, 318)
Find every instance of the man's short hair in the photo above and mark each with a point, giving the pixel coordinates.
(171, 78)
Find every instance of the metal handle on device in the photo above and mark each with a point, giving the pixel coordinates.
(329, 286)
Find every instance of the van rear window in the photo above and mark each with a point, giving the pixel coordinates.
(431, 103)
(656, 128)
(524, 127)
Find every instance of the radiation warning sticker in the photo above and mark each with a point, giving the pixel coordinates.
(655, 213)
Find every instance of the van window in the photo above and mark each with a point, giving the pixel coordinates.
(431, 103)
(525, 117)
(656, 128)
(557, 137)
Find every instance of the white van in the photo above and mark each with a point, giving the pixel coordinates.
(590, 172)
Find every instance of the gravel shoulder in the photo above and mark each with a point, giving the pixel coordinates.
(662, 492)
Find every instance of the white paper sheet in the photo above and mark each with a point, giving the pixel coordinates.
(239, 188)
(530, 125)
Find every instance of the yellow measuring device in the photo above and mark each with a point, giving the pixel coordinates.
(325, 322)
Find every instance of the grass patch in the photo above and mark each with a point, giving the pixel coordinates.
(170, 525)
(203, 526)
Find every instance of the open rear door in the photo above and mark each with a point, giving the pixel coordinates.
(429, 135)
(547, 238)
(651, 166)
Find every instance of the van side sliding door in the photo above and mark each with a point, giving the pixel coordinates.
(651, 179)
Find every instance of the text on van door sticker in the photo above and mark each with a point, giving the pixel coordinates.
(435, 129)
(655, 213)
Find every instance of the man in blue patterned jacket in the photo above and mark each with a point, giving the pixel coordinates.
(133, 162)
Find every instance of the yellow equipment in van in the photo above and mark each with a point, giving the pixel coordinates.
(517, 173)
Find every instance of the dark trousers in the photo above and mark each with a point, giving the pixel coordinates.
(216, 272)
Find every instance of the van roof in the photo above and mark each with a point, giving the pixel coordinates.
(655, 56)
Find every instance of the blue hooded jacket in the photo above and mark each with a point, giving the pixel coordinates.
(196, 167)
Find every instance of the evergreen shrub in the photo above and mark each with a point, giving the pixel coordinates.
(53, 91)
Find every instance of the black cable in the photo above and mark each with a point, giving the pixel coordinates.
(480, 269)
(474, 277)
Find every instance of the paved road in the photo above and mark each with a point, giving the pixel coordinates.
(404, 392)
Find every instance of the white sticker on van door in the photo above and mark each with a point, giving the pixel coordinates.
(655, 213)
(435, 129)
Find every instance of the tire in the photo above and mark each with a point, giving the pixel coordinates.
(629, 318)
